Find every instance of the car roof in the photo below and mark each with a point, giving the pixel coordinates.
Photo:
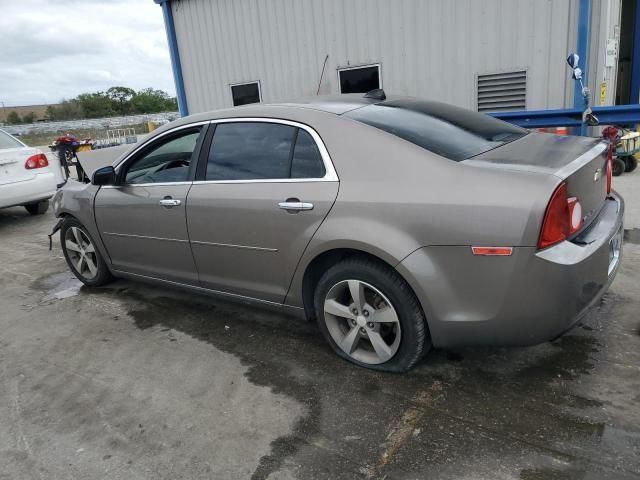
(337, 104)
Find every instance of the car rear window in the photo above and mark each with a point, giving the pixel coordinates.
(7, 141)
(449, 131)
(306, 161)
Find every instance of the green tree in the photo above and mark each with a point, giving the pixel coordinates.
(115, 101)
(149, 100)
(172, 104)
(13, 118)
(121, 96)
(29, 117)
(94, 105)
(65, 110)
(51, 113)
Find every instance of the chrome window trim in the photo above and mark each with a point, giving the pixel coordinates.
(265, 180)
(159, 184)
(153, 139)
(330, 172)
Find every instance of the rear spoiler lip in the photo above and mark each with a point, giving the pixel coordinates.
(581, 161)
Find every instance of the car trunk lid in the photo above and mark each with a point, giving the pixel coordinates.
(579, 161)
(12, 161)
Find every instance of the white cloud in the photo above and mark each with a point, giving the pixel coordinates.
(59, 49)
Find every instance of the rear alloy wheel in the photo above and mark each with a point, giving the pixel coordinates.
(370, 315)
(82, 256)
(362, 322)
(37, 208)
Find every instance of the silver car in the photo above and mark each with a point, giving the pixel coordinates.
(398, 224)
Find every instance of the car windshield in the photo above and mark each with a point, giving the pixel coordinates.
(452, 132)
(7, 141)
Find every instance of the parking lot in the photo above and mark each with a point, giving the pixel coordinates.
(133, 381)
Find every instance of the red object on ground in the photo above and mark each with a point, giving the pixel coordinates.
(66, 139)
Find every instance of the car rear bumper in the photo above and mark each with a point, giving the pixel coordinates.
(527, 298)
(40, 187)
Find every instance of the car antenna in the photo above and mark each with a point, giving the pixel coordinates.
(376, 93)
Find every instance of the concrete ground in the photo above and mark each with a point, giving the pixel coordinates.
(134, 382)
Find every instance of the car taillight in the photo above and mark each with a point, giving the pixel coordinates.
(575, 215)
(562, 218)
(609, 172)
(39, 160)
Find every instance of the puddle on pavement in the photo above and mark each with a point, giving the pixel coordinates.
(58, 286)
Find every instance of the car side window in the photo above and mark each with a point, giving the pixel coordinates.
(250, 151)
(307, 161)
(167, 161)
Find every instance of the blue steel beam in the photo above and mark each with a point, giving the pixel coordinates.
(582, 47)
(571, 117)
(172, 40)
(635, 59)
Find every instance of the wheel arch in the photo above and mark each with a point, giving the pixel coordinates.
(325, 259)
(67, 214)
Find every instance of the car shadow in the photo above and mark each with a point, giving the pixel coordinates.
(17, 216)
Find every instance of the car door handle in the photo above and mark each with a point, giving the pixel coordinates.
(169, 202)
(295, 206)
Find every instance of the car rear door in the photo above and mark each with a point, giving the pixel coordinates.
(142, 219)
(262, 191)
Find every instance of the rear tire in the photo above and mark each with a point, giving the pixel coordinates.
(82, 255)
(631, 163)
(618, 167)
(37, 208)
(388, 332)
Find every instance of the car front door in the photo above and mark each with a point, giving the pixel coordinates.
(142, 219)
(262, 191)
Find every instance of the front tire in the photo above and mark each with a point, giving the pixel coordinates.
(81, 254)
(37, 208)
(370, 316)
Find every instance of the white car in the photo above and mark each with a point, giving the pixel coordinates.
(26, 176)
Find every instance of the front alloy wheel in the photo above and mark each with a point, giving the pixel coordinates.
(81, 253)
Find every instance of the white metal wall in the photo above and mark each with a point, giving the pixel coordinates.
(428, 48)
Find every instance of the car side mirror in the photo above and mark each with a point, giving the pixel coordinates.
(104, 176)
(590, 119)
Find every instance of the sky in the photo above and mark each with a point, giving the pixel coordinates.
(55, 49)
